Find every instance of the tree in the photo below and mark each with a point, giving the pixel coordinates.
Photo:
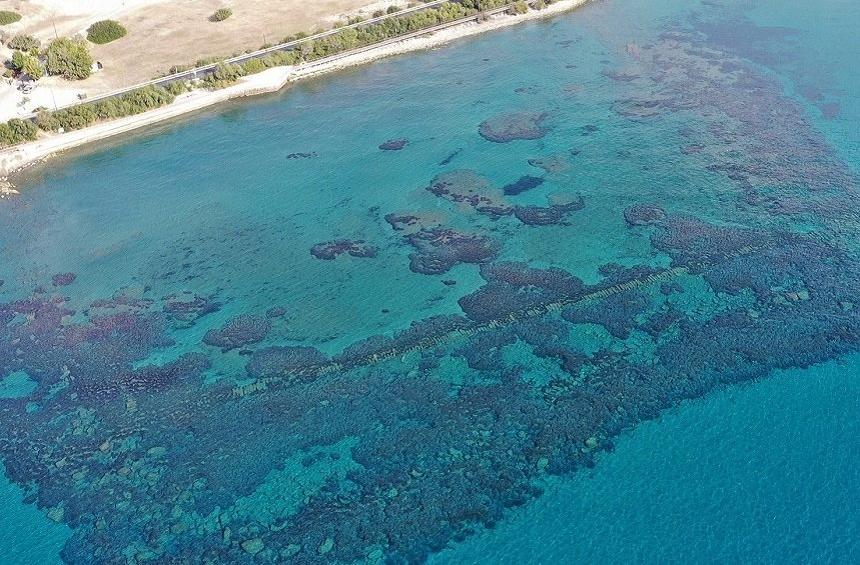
(27, 64)
(70, 58)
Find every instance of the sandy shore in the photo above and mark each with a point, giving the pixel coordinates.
(271, 80)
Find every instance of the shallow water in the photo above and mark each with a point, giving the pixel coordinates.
(695, 227)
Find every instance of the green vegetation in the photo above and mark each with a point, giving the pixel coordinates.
(83, 115)
(253, 66)
(105, 31)
(70, 58)
(8, 17)
(46, 121)
(220, 15)
(224, 74)
(518, 8)
(26, 43)
(17, 131)
(27, 64)
(178, 87)
(348, 39)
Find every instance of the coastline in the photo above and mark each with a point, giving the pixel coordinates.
(271, 80)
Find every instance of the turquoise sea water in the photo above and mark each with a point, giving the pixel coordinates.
(600, 306)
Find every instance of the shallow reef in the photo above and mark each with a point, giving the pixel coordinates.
(329, 250)
(513, 126)
(389, 445)
(242, 330)
(439, 249)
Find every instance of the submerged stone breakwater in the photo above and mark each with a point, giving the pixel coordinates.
(158, 434)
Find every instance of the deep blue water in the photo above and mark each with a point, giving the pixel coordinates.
(601, 306)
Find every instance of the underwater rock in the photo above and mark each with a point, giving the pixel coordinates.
(520, 275)
(643, 215)
(253, 546)
(302, 155)
(464, 185)
(522, 184)
(513, 126)
(515, 287)
(63, 279)
(831, 110)
(484, 350)
(539, 215)
(439, 249)
(566, 202)
(188, 308)
(329, 250)
(550, 163)
(276, 312)
(447, 160)
(394, 144)
(242, 330)
(620, 76)
(691, 240)
(692, 149)
(632, 108)
(617, 313)
(150, 378)
(400, 222)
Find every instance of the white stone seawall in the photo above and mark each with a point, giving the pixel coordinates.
(270, 80)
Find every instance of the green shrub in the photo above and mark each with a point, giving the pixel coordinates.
(70, 58)
(26, 43)
(76, 117)
(378, 13)
(83, 115)
(253, 66)
(27, 64)
(224, 74)
(17, 131)
(392, 10)
(207, 61)
(281, 58)
(105, 31)
(177, 87)
(518, 8)
(46, 121)
(8, 17)
(220, 15)
(146, 98)
(110, 108)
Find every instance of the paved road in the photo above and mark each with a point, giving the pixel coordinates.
(194, 73)
(202, 70)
